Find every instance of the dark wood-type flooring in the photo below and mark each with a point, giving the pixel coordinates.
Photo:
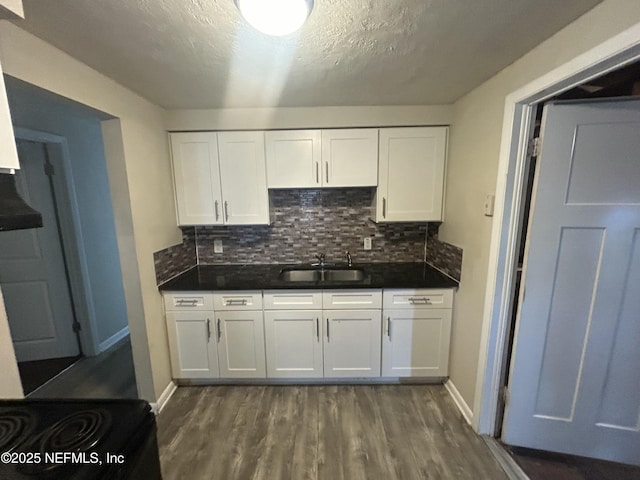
(38, 372)
(539, 465)
(108, 375)
(332, 432)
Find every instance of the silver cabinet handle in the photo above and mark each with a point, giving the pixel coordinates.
(419, 301)
(215, 204)
(384, 207)
(317, 172)
(189, 303)
(389, 327)
(327, 169)
(318, 328)
(208, 329)
(236, 301)
(219, 331)
(328, 338)
(226, 211)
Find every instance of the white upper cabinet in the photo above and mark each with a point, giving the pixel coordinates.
(293, 158)
(8, 151)
(350, 157)
(197, 178)
(244, 178)
(411, 174)
(220, 178)
(322, 158)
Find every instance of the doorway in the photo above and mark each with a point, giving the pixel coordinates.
(67, 138)
(523, 118)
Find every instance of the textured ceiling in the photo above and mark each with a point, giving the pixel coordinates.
(201, 54)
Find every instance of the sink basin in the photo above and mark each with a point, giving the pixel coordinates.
(322, 275)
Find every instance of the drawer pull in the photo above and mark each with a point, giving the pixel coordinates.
(389, 328)
(208, 329)
(419, 301)
(328, 338)
(236, 302)
(187, 302)
(318, 328)
(216, 209)
(219, 330)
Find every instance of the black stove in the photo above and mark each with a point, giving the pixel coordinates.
(78, 439)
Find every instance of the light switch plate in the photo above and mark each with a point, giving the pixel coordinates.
(489, 203)
(217, 246)
(367, 243)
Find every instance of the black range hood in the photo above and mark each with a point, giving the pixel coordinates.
(15, 214)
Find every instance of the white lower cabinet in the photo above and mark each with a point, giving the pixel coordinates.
(352, 343)
(416, 336)
(293, 341)
(194, 352)
(309, 333)
(225, 343)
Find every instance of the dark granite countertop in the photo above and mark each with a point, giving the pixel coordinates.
(266, 277)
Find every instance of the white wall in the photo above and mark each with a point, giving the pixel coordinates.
(472, 168)
(140, 181)
(307, 117)
(32, 110)
(10, 385)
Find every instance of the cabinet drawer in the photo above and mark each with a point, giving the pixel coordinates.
(249, 300)
(421, 298)
(351, 299)
(188, 301)
(293, 300)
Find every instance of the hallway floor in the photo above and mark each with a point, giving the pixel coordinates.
(108, 375)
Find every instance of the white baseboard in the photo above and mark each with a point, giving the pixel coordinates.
(467, 413)
(113, 339)
(157, 407)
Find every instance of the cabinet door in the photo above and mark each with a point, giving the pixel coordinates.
(352, 343)
(293, 158)
(293, 343)
(196, 178)
(192, 344)
(243, 178)
(411, 174)
(416, 342)
(241, 344)
(350, 157)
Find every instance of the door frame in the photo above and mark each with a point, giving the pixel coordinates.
(73, 242)
(519, 113)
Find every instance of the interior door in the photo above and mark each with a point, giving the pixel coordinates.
(575, 382)
(32, 271)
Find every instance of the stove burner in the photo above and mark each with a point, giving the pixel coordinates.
(78, 432)
(15, 426)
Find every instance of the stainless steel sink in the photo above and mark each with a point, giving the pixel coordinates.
(322, 275)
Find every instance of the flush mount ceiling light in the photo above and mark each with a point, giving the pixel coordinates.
(275, 17)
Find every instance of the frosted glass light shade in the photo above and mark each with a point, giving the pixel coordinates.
(275, 17)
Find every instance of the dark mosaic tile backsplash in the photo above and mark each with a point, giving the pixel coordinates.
(442, 255)
(310, 221)
(176, 259)
(307, 222)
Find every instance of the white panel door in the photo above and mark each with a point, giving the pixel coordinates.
(197, 178)
(293, 158)
(32, 271)
(352, 343)
(240, 337)
(575, 381)
(415, 342)
(192, 344)
(293, 341)
(243, 176)
(350, 157)
(411, 174)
